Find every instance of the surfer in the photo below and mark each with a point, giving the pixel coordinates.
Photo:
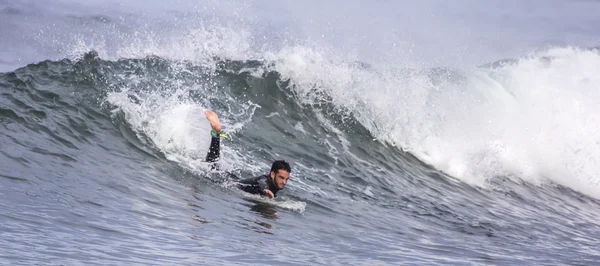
(266, 185)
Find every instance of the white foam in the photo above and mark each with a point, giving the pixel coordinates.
(173, 125)
(533, 119)
(200, 45)
(300, 128)
(281, 202)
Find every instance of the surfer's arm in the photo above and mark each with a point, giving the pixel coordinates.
(250, 181)
(252, 185)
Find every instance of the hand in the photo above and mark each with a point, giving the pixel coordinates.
(268, 193)
(213, 119)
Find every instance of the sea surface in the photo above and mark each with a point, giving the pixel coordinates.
(419, 133)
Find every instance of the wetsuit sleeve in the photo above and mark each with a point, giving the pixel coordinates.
(249, 181)
(214, 151)
(252, 185)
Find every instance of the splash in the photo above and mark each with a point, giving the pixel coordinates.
(201, 45)
(197, 45)
(531, 119)
(171, 123)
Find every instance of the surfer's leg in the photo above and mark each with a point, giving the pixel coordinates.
(215, 150)
(215, 142)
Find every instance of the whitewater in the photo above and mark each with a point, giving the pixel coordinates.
(429, 133)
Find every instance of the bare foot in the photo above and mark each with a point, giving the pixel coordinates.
(213, 119)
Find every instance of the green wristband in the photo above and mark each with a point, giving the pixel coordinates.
(215, 135)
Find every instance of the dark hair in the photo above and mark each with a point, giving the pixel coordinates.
(280, 165)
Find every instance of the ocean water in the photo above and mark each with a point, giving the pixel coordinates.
(437, 133)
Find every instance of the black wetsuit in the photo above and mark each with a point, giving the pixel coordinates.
(257, 185)
(214, 151)
(254, 185)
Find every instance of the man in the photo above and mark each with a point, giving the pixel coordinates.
(266, 185)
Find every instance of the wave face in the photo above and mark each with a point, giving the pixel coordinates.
(103, 141)
(530, 118)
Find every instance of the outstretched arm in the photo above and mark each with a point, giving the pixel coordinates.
(215, 142)
(255, 186)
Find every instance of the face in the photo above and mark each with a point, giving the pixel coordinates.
(280, 178)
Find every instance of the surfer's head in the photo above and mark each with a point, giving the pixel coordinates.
(280, 173)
